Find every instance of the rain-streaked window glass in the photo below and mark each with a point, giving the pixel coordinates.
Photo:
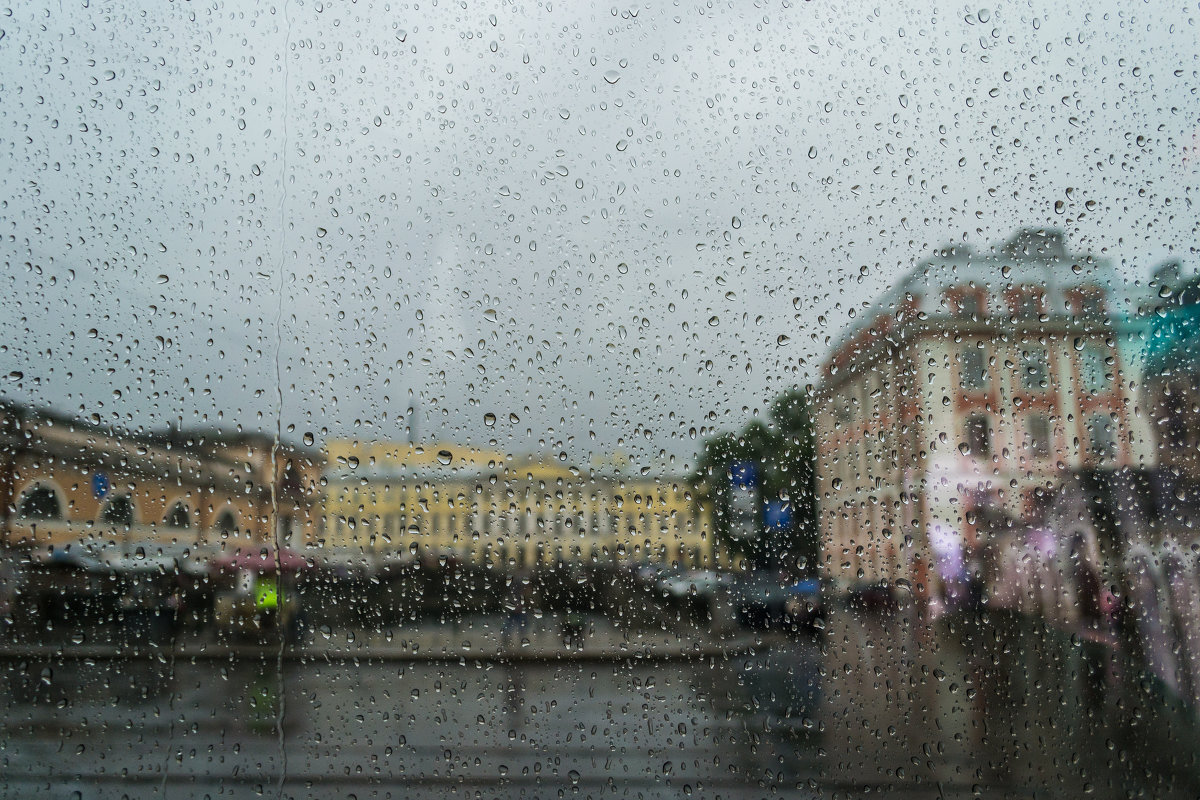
(1090, 301)
(1038, 432)
(1027, 303)
(1175, 433)
(655, 400)
(1103, 438)
(968, 302)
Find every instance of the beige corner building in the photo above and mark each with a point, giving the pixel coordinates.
(956, 404)
(388, 501)
(67, 485)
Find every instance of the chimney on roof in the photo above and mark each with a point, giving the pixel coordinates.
(1166, 274)
(1037, 244)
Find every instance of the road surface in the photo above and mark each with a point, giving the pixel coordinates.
(879, 702)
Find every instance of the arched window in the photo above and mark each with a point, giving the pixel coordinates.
(40, 502)
(178, 517)
(227, 524)
(119, 511)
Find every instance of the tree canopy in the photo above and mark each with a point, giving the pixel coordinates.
(784, 448)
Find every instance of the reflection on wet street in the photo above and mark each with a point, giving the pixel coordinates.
(954, 709)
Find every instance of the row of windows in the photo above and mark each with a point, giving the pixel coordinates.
(1096, 368)
(976, 439)
(497, 497)
(41, 502)
(977, 436)
(393, 524)
(521, 554)
(1095, 373)
(1025, 304)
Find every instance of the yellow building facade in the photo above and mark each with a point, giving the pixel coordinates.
(389, 501)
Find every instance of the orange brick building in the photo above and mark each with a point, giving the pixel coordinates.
(68, 485)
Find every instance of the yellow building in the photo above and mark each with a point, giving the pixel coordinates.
(393, 501)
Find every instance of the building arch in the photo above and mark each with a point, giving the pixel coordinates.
(120, 510)
(226, 523)
(41, 500)
(178, 516)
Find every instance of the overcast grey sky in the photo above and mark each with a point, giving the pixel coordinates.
(609, 227)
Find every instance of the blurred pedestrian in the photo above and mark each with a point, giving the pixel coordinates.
(572, 629)
(517, 605)
(1087, 591)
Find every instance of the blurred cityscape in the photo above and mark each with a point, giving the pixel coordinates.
(1017, 427)
(1011, 429)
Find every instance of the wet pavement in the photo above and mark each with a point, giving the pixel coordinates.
(540, 637)
(963, 707)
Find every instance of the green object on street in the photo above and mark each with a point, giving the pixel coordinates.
(266, 595)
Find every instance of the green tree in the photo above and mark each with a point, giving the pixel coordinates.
(791, 468)
(784, 448)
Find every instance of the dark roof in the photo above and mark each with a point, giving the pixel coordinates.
(191, 439)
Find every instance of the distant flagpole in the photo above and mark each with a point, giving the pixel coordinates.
(412, 423)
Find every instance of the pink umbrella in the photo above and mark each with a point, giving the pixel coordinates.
(263, 559)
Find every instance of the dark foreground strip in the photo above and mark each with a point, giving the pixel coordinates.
(295, 781)
(307, 655)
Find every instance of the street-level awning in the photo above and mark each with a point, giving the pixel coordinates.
(261, 559)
